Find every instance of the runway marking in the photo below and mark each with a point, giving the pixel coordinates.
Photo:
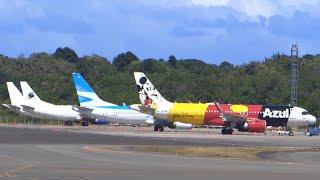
(12, 172)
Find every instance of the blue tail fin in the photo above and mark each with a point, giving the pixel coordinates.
(87, 97)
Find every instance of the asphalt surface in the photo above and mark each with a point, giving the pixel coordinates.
(32, 153)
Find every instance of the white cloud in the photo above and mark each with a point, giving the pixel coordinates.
(210, 2)
(265, 8)
(251, 8)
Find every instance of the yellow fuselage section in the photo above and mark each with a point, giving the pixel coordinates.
(188, 113)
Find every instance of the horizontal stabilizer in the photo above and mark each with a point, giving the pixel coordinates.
(28, 108)
(142, 108)
(83, 111)
(11, 107)
(150, 121)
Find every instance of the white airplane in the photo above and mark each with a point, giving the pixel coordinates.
(99, 109)
(30, 104)
(17, 100)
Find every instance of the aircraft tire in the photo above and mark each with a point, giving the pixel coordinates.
(156, 128)
(85, 123)
(230, 131)
(161, 129)
(224, 131)
(68, 123)
(290, 133)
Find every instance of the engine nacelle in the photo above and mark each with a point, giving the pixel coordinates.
(180, 125)
(258, 126)
(100, 121)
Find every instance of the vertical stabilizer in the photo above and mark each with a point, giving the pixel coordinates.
(15, 95)
(28, 92)
(148, 94)
(87, 97)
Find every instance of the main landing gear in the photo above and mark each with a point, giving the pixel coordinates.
(287, 131)
(227, 131)
(158, 127)
(84, 123)
(68, 123)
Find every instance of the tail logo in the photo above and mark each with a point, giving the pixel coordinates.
(148, 92)
(148, 101)
(146, 88)
(30, 95)
(83, 99)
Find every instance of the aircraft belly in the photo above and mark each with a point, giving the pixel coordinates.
(128, 119)
(297, 122)
(161, 115)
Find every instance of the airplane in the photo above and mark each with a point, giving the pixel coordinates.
(67, 113)
(250, 118)
(94, 107)
(28, 103)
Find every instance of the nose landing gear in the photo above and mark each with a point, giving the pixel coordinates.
(227, 131)
(68, 123)
(158, 127)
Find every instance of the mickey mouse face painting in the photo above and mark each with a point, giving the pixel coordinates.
(146, 88)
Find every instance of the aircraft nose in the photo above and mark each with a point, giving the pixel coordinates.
(312, 119)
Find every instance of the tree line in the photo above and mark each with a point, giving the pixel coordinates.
(182, 80)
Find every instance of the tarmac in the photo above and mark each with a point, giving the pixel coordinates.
(28, 152)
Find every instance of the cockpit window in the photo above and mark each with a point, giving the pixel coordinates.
(305, 113)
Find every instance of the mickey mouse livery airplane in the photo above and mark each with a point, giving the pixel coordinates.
(251, 118)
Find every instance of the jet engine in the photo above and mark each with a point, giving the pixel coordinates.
(180, 125)
(100, 121)
(258, 126)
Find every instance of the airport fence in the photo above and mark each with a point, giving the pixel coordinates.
(13, 120)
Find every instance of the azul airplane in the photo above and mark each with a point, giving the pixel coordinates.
(30, 104)
(251, 118)
(99, 109)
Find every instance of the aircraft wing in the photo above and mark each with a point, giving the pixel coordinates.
(233, 119)
(28, 108)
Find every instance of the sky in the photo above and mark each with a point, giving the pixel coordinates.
(237, 31)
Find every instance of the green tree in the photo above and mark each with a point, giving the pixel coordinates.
(172, 61)
(123, 60)
(66, 54)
